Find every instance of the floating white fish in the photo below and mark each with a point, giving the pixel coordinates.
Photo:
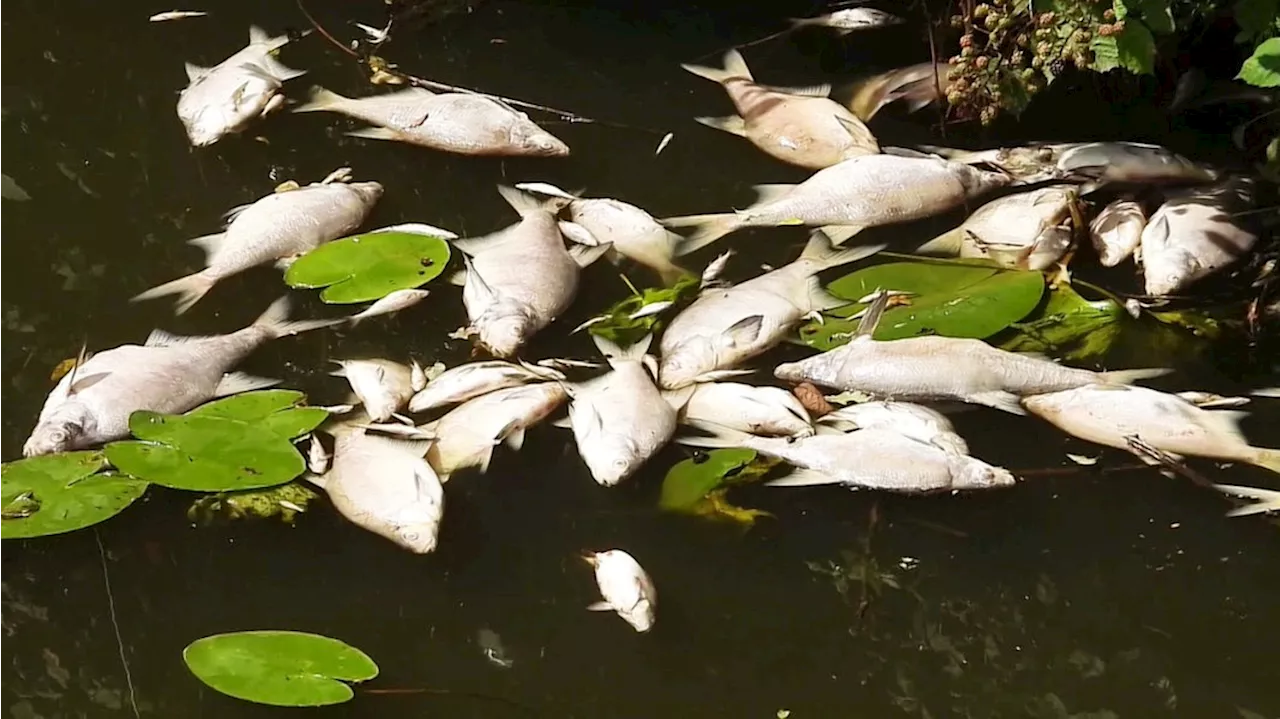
(910, 420)
(393, 302)
(468, 381)
(384, 387)
(467, 435)
(770, 411)
(626, 588)
(176, 15)
(850, 20)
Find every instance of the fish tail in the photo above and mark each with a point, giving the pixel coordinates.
(1129, 376)
(189, 290)
(276, 320)
(321, 100)
(1266, 458)
(823, 254)
(734, 67)
(720, 436)
(800, 21)
(709, 229)
(525, 203)
(614, 353)
(672, 273)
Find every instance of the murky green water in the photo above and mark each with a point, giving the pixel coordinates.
(1092, 592)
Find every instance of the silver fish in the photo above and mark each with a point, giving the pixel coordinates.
(467, 435)
(468, 381)
(1028, 230)
(520, 279)
(799, 126)
(620, 419)
(1095, 163)
(384, 387)
(1193, 234)
(1117, 230)
(393, 302)
(770, 411)
(634, 233)
(875, 458)
(726, 327)
(910, 420)
(176, 15)
(317, 456)
(1109, 415)
(945, 368)
(850, 20)
(277, 228)
(169, 374)
(863, 192)
(228, 97)
(384, 485)
(462, 123)
(627, 589)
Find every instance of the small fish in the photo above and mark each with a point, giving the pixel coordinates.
(1028, 230)
(376, 36)
(384, 387)
(1194, 234)
(620, 419)
(850, 20)
(461, 123)
(715, 268)
(467, 435)
(874, 458)
(176, 15)
(169, 374)
(769, 411)
(945, 368)
(468, 381)
(800, 126)
(393, 302)
(626, 588)
(918, 85)
(1117, 230)
(338, 408)
(725, 327)
(1265, 500)
(653, 308)
(228, 97)
(317, 456)
(848, 197)
(1209, 400)
(384, 485)
(1109, 415)
(910, 420)
(277, 228)
(662, 145)
(491, 646)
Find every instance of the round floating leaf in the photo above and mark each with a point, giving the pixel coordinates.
(699, 487)
(59, 493)
(948, 299)
(370, 266)
(280, 668)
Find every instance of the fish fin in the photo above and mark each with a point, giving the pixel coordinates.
(599, 607)
(678, 398)
(853, 126)
(577, 233)
(822, 252)
(1001, 400)
(720, 436)
(925, 153)
(1129, 376)
(818, 297)
(375, 133)
(276, 320)
(161, 338)
(486, 457)
(717, 375)
(548, 189)
(477, 282)
(840, 234)
(585, 256)
(821, 90)
(734, 67)
(945, 245)
(209, 243)
(237, 382)
(457, 278)
(258, 36)
(417, 376)
(565, 422)
(1266, 458)
(770, 192)
(803, 478)
(710, 229)
(614, 353)
(195, 72)
(732, 124)
(189, 290)
(515, 438)
(872, 316)
(322, 100)
(525, 203)
(744, 331)
(83, 383)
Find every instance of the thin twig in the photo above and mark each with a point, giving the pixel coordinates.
(115, 624)
(933, 58)
(325, 33)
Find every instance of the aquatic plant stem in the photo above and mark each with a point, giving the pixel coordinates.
(325, 33)
(115, 624)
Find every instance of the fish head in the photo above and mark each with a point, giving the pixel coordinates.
(504, 327)
(368, 192)
(1167, 270)
(683, 365)
(222, 103)
(535, 141)
(611, 461)
(790, 372)
(419, 538)
(640, 616)
(62, 431)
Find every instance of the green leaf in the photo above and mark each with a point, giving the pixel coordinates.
(697, 486)
(619, 327)
(60, 493)
(1255, 17)
(1133, 49)
(281, 668)
(1068, 326)
(237, 443)
(370, 266)
(1262, 69)
(953, 299)
(1156, 14)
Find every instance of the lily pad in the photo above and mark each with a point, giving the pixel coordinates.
(281, 668)
(60, 493)
(371, 266)
(625, 323)
(698, 485)
(1069, 326)
(948, 298)
(237, 443)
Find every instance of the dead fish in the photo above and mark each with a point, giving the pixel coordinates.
(1028, 230)
(277, 228)
(384, 387)
(620, 419)
(467, 435)
(384, 485)
(1110, 415)
(1193, 234)
(725, 327)
(462, 123)
(632, 232)
(769, 411)
(468, 381)
(800, 126)
(874, 458)
(715, 268)
(863, 192)
(520, 279)
(169, 374)
(626, 588)
(910, 420)
(1117, 230)
(317, 456)
(393, 302)
(176, 15)
(945, 368)
(918, 85)
(491, 646)
(850, 20)
(228, 97)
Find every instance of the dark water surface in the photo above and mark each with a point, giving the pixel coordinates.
(1123, 592)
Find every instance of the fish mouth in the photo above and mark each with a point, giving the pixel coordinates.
(588, 556)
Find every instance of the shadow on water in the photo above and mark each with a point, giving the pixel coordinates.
(1122, 592)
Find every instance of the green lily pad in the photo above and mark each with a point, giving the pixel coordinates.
(292, 669)
(1069, 326)
(237, 443)
(621, 328)
(948, 298)
(370, 266)
(698, 485)
(60, 493)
